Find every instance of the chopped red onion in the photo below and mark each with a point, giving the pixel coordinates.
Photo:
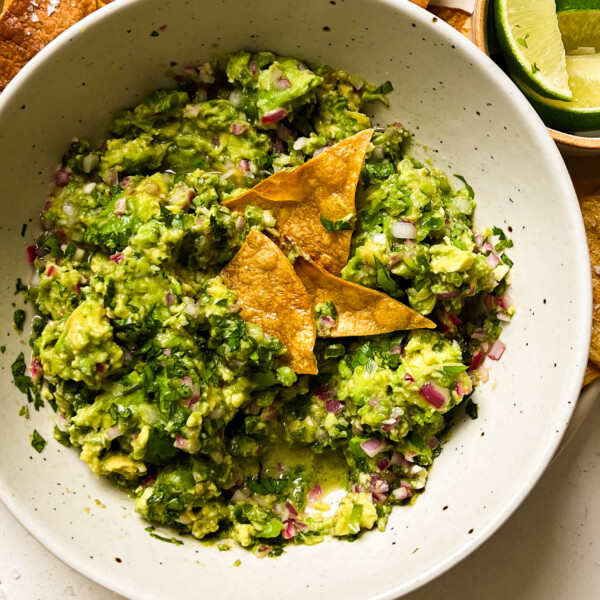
(403, 230)
(293, 511)
(433, 443)
(236, 98)
(324, 393)
(113, 177)
(117, 258)
(314, 493)
(240, 223)
(334, 406)
(31, 253)
(448, 295)
(502, 316)
(505, 302)
(113, 432)
(434, 395)
(215, 141)
(283, 83)
(191, 111)
(484, 374)
(36, 369)
(148, 481)
(239, 496)
(191, 309)
(283, 133)
(51, 271)
(408, 377)
(300, 143)
(253, 68)
(374, 401)
(62, 177)
(497, 350)
(492, 260)
(270, 413)
(187, 380)
(396, 349)
(373, 447)
(100, 368)
(126, 182)
(170, 299)
(120, 206)
(239, 128)
(454, 319)
(61, 422)
(479, 334)
(289, 531)
(401, 493)
(180, 442)
(476, 360)
(244, 164)
(383, 464)
(274, 116)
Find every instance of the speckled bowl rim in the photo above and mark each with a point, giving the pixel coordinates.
(128, 588)
(576, 142)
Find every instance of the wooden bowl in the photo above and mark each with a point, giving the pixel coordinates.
(567, 142)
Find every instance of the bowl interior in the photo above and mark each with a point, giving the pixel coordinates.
(470, 120)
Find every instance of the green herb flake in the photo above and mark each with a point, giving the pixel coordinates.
(385, 281)
(507, 261)
(20, 286)
(455, 368)
(24, 412)
(154, 33)
(37, 441)
(534, 69)
(170, 540)
(472, 409)
(522, 40)
(3, 349)
(19, 319)
(340, 225)
(467, 186)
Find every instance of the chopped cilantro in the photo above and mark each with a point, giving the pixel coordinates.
(455, 368)
(154, 33)
(170, 540)
(339, 225)
(3, 349)
(24, 412)
(19, 319)
(37, 441)
(534, 69)
(507, 261)
(472, 409)
(20, 286)
(385, 281)
(522, 40)
(467, 186)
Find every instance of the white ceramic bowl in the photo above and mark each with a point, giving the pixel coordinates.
(472, 121)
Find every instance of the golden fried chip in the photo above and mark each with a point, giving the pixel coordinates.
(591, 373)
(421, 3)
(26, 27)
(360, 310)
(590, 208)
(272, 296)
(321, 189)
(460, 19)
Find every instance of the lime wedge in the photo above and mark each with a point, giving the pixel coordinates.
(583, 113)
(531, 44)
(579, 23)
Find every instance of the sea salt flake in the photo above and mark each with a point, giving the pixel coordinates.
(34, 18)
(597, 269)
(50, 10)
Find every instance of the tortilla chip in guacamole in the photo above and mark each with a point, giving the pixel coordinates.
(272, 296)
(360, 310)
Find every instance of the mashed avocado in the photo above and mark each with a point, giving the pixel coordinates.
(169, 392)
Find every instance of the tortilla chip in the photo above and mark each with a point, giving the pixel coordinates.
(360, 310)
(460, 19)
(590, 208)
(272, 296)
(323, 187)
(25, 29)
(421, 3)
(591, 373)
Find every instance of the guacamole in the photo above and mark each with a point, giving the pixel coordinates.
(161, 384)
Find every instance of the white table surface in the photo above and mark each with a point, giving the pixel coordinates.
(548, 550)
